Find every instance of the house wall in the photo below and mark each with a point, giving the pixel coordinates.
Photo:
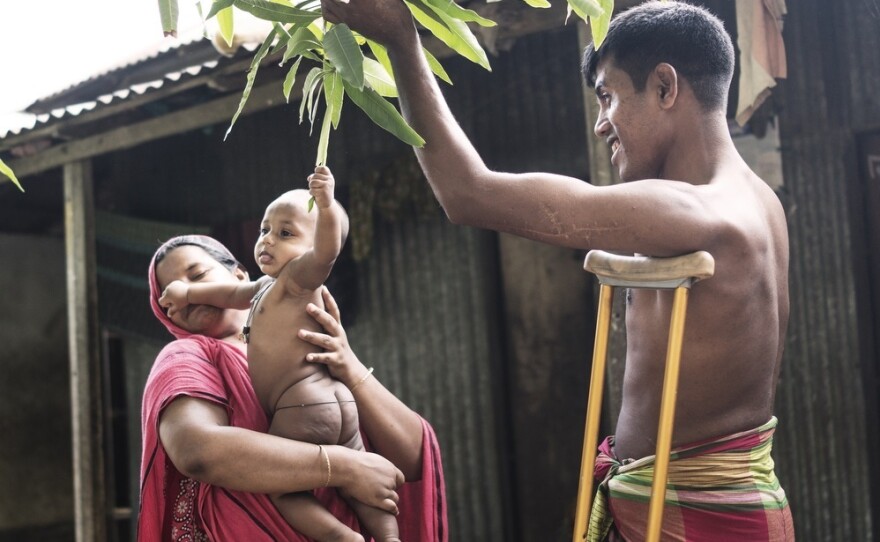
(36, 480)
(826, 453)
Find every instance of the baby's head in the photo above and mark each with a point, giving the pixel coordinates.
(287, 231)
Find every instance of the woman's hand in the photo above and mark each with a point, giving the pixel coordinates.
(371, 479)
(341, 361)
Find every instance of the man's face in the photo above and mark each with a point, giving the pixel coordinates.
(628, 123)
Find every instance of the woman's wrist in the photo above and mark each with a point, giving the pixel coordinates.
(340, 467)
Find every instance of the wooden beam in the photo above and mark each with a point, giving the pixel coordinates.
(86, 391)
(129, 136)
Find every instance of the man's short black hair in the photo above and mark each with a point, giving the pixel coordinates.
(688, 37)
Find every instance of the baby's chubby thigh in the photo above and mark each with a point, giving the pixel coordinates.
(319, 411)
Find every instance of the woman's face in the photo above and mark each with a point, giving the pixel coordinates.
(190, 264)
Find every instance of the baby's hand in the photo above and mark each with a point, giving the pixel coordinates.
(174, 298)
(321, 185)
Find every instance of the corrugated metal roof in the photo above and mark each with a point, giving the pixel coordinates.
(170, 63)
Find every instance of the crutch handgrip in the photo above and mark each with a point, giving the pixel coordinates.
(645, 272)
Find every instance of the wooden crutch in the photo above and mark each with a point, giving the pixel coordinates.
(678, 273)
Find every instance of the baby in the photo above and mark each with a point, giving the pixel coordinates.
(296, 250)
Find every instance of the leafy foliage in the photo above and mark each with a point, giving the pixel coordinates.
(340, 67)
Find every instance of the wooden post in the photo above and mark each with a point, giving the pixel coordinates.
(89, 496)
(603, 174)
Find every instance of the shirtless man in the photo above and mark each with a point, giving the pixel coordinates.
(661, 79)
(296, 250)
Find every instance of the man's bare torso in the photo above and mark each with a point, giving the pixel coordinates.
(734, 331)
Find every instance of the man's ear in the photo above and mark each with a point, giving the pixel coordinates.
(666, 82)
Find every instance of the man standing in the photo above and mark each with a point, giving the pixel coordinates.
(661, 78)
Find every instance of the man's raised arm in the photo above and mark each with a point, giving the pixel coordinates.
(545, 207)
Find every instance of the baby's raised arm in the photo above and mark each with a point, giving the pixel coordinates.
(331, 229)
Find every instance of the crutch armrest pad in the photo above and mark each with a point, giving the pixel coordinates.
(648, 272)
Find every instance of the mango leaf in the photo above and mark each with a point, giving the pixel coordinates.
(251, 77)
(333, 97)
(225, 22)
(436, 67)
(379, 79)
(324, 140)
(271, 11)
(301, 41)
(383, 113)
(7, 171)
(381, 55)
(449, 7)
(455, 34)
(312, 80)
(343, 52)
(586, 8)
(217, 7)
(290, 79)
(168, 13)
(538, 3)
(599, 25)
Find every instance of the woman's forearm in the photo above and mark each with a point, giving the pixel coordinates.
(394, 430)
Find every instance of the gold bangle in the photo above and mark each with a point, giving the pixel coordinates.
(327, 460)
(361, 381)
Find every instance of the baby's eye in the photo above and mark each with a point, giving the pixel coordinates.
(264, 231)
(286, 233)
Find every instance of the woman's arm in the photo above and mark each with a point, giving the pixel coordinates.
(394, 430)
(202, 445)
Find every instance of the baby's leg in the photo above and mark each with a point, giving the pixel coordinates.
(318, 422)
(309, 517)
(382, 525)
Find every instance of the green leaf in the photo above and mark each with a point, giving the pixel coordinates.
(381, 55)
(586, 8)
(333, 96)
(383, 113)
(450, 8)
(7, 171)
(324, 139)
(379, 79)
(454, 33)
(436, 67)
(311, 204)
(224, 21)
(271, 11)
(312, 80)
(251, 77)
(343, 52)
(599, 25)
(168, 12)
(290, 79)
(300, 41)
(217, 7)
(538, 3)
